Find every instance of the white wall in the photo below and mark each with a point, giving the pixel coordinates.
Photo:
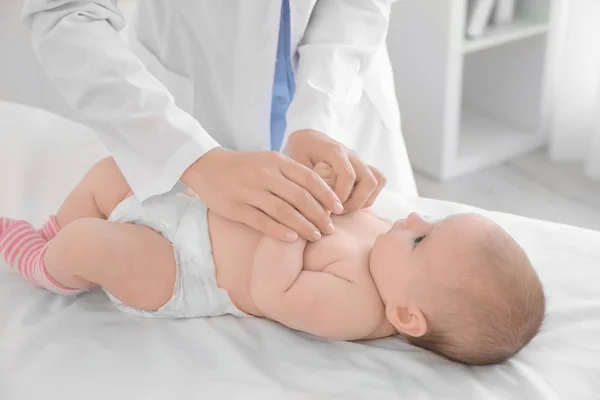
(577, 81)
(22, 80)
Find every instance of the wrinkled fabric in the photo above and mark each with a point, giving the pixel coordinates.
(86, 345)
(183, 221)
(200, 74)
(283, 86)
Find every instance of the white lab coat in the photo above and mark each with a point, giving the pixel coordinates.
(199, 73)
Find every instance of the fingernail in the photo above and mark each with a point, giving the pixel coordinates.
(291, 236)
(316, 235)
(337, 207)
(330, 229)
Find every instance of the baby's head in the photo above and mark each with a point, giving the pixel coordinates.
(461, 287)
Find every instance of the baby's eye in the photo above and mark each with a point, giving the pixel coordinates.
(419, 239)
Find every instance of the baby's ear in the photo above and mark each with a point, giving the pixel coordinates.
(409, 321)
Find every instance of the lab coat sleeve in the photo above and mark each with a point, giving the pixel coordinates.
(152, 140)
(341, 40)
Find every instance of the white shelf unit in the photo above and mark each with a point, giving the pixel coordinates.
(470, 103)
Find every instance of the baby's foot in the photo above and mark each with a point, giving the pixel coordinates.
(6, 224)
(16, 236)
(50, 229)
(23, 249)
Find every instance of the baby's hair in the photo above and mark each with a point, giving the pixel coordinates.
(498, 309)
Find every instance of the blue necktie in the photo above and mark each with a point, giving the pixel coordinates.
(283, 84)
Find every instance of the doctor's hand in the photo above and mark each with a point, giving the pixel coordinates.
(357, 184)
(326, 173)
(266, 191)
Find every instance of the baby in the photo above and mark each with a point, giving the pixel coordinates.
(461, 287)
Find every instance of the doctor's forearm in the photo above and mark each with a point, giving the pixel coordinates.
(339, 45)
(152, 140)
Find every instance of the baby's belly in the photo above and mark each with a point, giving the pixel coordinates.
(233, 248)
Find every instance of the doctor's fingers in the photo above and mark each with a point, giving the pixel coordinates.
(337, 156)
(298, 202)
(282, 213)
(365, 185)
(314, 187)
(381, 181)
(259, 220)
(326, 173)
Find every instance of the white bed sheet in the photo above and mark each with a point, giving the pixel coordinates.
(72, 348)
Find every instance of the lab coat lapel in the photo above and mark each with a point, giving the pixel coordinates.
(254, 65)
(300, 11)
(255, 58)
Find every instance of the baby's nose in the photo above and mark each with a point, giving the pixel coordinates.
(399, 223)
(414, 218)
(417, 221)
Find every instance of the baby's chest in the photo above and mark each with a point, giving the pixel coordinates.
(333, 249)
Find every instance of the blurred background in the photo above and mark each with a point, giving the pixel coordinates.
(500, 99)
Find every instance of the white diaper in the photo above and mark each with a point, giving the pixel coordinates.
(183, 221)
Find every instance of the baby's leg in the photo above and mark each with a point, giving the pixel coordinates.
(97, 195)
(133, 262)
(23, 247)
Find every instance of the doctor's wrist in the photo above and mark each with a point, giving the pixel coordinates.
(198, 168)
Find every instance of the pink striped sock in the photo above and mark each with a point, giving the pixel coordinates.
(23, 249)
(49, 229)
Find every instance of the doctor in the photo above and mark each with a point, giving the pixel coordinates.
(205, 88)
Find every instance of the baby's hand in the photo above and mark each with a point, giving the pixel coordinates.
(325, 171)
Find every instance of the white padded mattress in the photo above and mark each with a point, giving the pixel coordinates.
(54, 347)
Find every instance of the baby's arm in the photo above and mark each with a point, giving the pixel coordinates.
(319, 303)
(289, 255)
(277, 266)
